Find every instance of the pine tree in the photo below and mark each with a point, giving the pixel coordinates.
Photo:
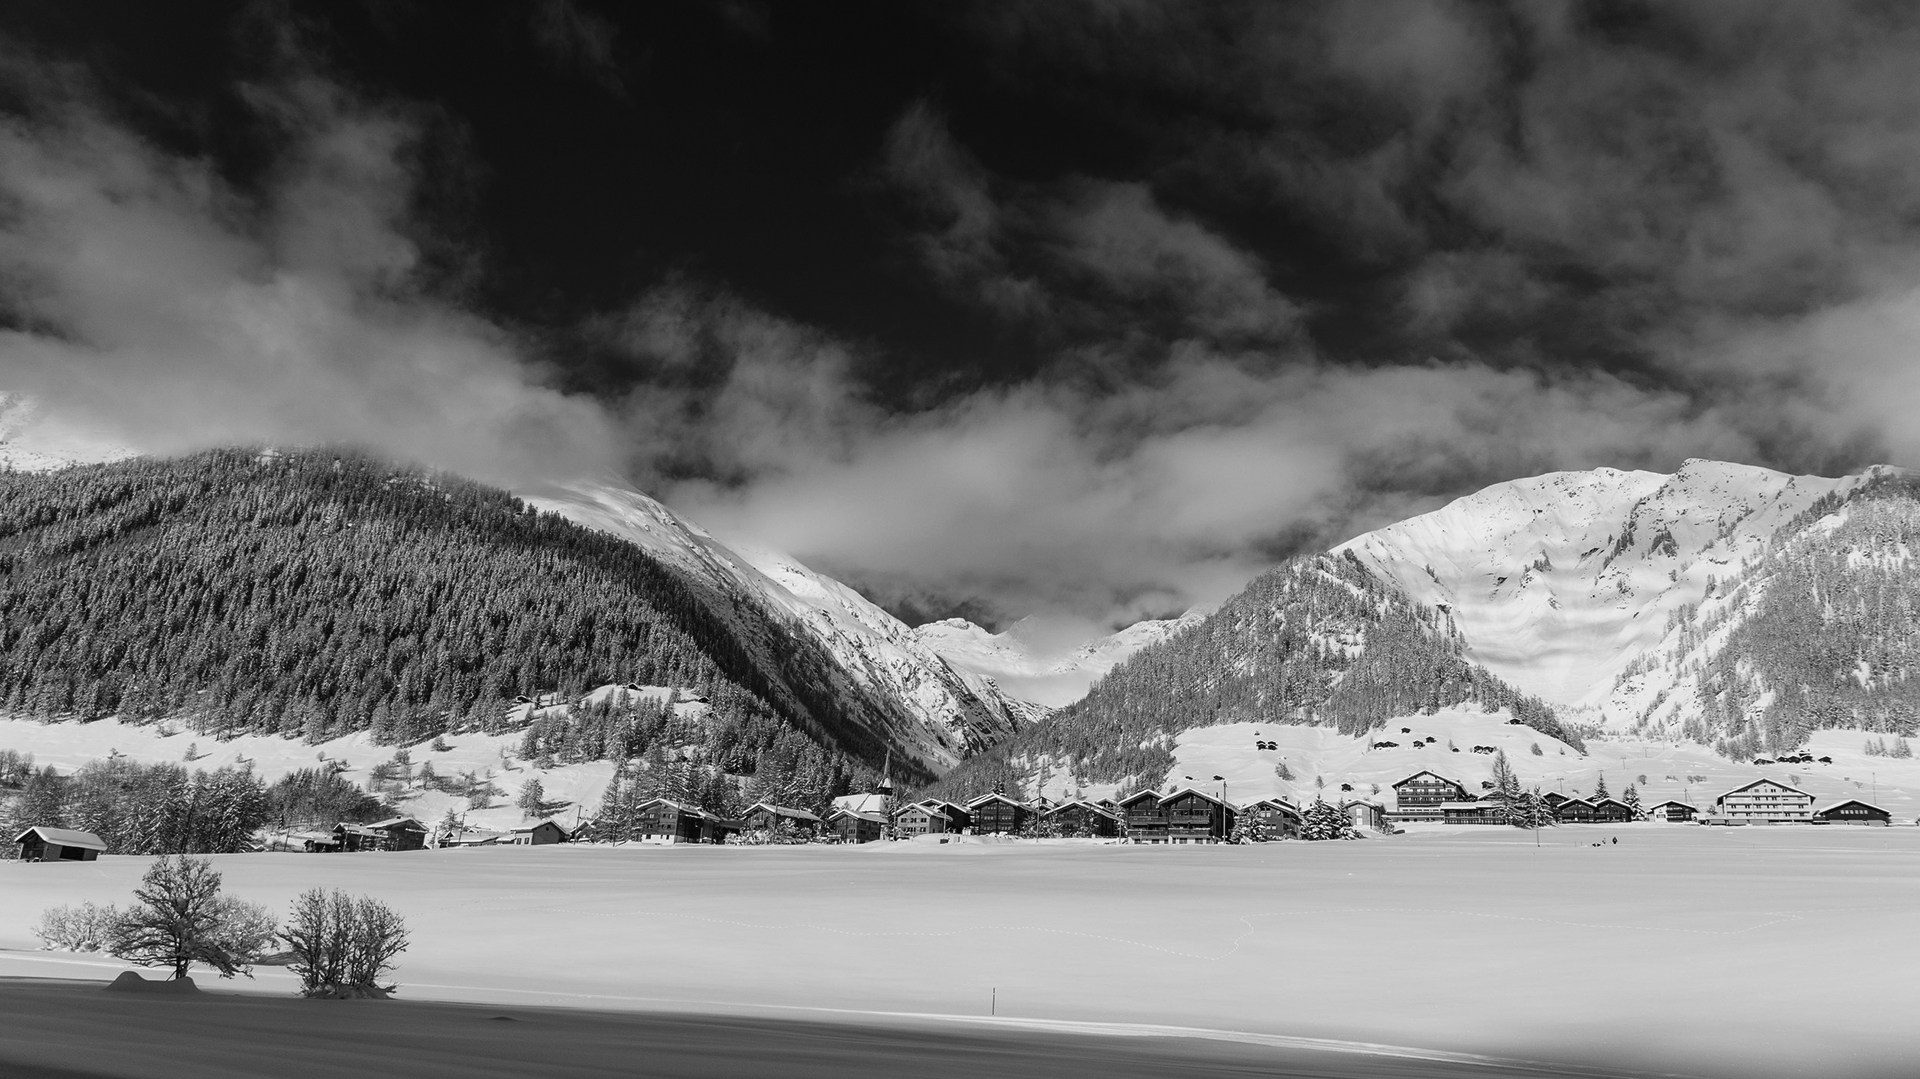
(1505, 782)
(532, 799)
(1632, 798)
(1600, 788)
(1324, 820)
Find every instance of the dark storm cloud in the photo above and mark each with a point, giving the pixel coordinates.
(1274, 274)
(167, 309)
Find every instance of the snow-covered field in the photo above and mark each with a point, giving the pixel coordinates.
(1716, 951)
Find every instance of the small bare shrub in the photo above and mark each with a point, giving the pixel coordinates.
(85, 928)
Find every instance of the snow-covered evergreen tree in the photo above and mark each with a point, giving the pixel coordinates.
(1324, 820)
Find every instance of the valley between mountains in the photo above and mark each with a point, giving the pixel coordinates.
(1576, 620)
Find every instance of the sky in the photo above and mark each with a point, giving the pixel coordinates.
(1083, 311)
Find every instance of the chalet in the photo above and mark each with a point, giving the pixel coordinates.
(767, 817)
(43, 844)
(1764, 801)
(923, 818)
(1275, 817)
(1574, 811)
(1486, 812)
(1197, 817)
(1613, 811)
(957, 814)
(1083, 819)
(1553, 799)
(871, 802)
(662, 820)
(854, 827)
(997, 814)
(1365, 814)
(304, 842)
(1671, 812)
(1852, 811)
(394, 833)
(470, 837)
(1420, 795)
(1145, 817)
(536, 835)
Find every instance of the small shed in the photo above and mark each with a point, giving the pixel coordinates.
(1853, 811)
(537, 835)
(43, 844)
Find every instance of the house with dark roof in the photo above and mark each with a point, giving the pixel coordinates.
(1852, 811)
(1276, 818)
(1574, 811)
(663, 820)
(1492, 811)
(1613, 811)
(1553, 799)
(1083, 818)
(1194, 816)
(1145, 818)
(767, 817)
(997, 814)
(1365, 813)
(41, 843)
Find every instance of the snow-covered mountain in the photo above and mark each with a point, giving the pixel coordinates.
(33, 441)
(954, 711)
(1613, 595)
(1049, 677)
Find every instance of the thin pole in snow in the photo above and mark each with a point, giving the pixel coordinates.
(993, 1002)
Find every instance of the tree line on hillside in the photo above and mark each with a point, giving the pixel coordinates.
(316, 594)
(1319, 640)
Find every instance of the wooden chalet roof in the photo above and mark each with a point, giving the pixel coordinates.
(1669, 802)
(1081, 803)
(1276, 803)
(1852, 802)
(65, 837)
(1182, 792)
(876, 818)
(1136, 796)
(935, 810)
(996, 797)
(691, 811)
(1554, 798)
(1612, 802)
(1425, 772)
(1576, 801)
(529, 828)
(781, 811)
(398, 822)
(1758, 782)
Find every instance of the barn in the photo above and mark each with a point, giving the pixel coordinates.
(1852, 811)
(43, 844)
(536, 835)
(1145, 817)
(394, 833)
(995, 814)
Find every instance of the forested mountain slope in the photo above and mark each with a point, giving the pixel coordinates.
(316, 593)
(950, 711)
(1820, 629)
(1319, 640)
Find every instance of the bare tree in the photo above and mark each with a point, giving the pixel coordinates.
(182, 919)
(343, 946)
